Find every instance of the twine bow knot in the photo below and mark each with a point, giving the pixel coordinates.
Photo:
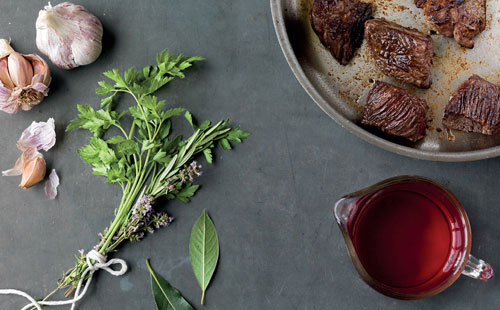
(95, 261)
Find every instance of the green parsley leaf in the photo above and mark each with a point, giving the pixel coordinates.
(115, 76)
(116, 140)
(187, 191)
(224, 143)
(95, 121)
(172, 112)
(127, 147)
(105, 89)
(189, 117)
(208, 155)
(235, 134)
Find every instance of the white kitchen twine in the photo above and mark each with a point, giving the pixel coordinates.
(101, 263)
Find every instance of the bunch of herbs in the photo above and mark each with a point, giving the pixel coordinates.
(145, 160)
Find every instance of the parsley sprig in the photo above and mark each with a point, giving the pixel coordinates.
(145, 159)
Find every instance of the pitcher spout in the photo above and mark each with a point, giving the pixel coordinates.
(345, 210)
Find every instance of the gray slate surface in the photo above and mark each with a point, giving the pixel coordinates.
(271, 198)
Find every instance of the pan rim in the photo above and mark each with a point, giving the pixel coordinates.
(277, 12)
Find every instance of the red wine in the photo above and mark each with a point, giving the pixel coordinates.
(409, 236)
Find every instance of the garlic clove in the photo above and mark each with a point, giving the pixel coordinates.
(41, 70)
(33, 172)
(20, 70)
(4, 74)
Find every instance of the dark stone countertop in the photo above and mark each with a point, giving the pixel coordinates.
(271, 198)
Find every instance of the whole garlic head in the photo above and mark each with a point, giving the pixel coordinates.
(69, 35)
(24, 79)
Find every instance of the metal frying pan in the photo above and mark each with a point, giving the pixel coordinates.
(340, 91)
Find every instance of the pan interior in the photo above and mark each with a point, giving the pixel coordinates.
(344, 88)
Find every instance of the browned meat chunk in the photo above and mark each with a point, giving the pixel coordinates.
(339, 25)
(475, 107)
(400, 52)
(395, 111)
(461, 19)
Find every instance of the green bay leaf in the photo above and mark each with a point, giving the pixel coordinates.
(204, 251)
(165, 295)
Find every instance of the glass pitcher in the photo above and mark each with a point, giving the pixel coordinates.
(408, 237)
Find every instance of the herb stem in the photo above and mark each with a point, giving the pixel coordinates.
(138, 100)
(117, 125)
(125, 208)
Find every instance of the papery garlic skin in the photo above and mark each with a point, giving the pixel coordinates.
(26, 156)
(69, 35)
(5, 48)
(24, 79)
(38, 135)
(51, 185)
(33, 172)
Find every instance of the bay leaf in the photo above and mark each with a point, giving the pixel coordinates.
(204, 251)
(165, 295)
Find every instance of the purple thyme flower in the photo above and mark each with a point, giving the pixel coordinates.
(145, 219)
(147, 209)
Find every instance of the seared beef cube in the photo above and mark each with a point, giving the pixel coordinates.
(471, 20)
(475, 107)
(439, 12)
(339, 25)
(400, 52)
(461, 19)
(395, 111)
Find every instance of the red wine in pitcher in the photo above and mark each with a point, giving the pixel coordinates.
(408, 236)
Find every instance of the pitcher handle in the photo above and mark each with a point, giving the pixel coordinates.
(478, 269)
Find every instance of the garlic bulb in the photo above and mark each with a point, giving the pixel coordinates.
(24, 79)
(69, 35)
